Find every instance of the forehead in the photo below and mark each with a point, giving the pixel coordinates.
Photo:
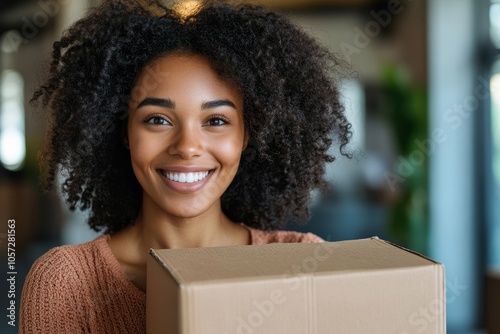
(181, 73)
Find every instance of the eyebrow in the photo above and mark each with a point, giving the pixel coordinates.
(153, 101)
(167, 103)
(218, 103)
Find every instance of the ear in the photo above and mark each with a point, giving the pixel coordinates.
(246, 139)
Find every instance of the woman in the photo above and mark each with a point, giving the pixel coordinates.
(175, 131)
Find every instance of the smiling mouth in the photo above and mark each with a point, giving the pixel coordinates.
(185, 177)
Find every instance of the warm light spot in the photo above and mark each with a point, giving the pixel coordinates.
(186, 8)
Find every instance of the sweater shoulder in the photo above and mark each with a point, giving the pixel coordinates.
(266, 237)
(54, 288)
(66, 261)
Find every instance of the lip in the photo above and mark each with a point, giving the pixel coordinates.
(184, 187)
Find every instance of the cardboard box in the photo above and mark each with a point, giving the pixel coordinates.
(492, 298)
(362, 286)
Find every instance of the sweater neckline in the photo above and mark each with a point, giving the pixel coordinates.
(103, 247)
(115, 266)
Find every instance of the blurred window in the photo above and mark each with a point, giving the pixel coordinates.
(495, 23)
(12, 130)
(493, 227)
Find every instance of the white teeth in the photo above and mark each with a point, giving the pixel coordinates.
(186, 177)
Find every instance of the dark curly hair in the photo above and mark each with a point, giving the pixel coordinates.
(291, 102)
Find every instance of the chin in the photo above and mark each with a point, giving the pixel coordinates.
(187, 211)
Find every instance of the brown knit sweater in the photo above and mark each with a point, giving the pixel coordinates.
(82, 289)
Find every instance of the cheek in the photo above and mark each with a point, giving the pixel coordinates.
(142, 152)
(229, 151)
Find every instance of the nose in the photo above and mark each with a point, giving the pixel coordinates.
(186, 143)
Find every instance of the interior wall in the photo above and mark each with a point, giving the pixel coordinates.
(453, 100)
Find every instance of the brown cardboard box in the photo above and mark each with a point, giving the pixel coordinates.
(362, 286)
(492, 298)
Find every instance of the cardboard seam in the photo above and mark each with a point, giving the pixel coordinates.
(311, 290)
(188, 307)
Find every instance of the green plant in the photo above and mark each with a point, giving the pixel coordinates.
(405, 106)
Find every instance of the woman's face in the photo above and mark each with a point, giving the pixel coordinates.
(186, 135)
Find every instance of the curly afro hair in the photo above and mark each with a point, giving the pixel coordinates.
(292, 110)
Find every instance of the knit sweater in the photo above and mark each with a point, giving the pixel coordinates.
(82, 289)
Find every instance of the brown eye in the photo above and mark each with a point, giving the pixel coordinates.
(217, 121)
(157, 120)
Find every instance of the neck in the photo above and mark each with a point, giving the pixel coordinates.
(154, 229)
(174, 232)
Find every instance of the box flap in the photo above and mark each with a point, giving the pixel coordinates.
(276, 260)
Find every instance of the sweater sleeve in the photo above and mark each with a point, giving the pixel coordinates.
(48, 300)
(311, 237)
(260, 237)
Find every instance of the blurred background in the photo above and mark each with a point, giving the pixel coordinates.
(424, 100)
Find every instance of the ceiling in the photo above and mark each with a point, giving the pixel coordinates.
(304, 4)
